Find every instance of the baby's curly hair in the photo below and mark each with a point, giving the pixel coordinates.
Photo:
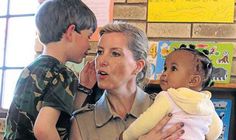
(203, 63)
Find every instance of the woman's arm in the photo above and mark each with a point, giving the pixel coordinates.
(88, 79)
(75, 132)
(87, 76)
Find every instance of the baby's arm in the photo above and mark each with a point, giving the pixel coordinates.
(149, 118)
(215, 128)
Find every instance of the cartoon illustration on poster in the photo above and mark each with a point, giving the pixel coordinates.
(221, 55)
(223, 109)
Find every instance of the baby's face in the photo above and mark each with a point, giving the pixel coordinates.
(178, 70)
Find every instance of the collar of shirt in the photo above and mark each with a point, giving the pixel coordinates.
(103, 112)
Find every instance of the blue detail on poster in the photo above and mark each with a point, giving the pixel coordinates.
(162, 52)
(223, 109)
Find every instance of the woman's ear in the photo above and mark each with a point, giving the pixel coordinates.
(139, 66)
(69, 32)
(195, 81)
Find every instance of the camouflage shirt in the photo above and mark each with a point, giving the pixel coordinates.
(46, 82)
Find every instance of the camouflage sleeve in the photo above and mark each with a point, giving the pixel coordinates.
(61, 92)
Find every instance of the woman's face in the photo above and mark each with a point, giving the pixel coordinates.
(115, 65)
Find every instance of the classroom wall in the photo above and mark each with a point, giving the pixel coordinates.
(135, 12)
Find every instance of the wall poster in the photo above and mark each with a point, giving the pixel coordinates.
(221, 55)
(191, 11)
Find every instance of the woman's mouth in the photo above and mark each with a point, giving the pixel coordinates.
(102, 74)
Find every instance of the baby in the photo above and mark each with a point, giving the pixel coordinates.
(186, 73)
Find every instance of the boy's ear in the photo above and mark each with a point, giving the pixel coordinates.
(69, 31)
(195, 80)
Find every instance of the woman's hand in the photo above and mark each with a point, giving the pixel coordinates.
(172, 133)
(88, 79)
(88, 75)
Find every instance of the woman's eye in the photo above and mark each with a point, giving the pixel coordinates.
(114, 53)
(99, 52)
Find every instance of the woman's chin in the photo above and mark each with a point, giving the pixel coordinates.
(102, 85)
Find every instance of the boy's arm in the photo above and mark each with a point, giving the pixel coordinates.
(148, 120)
(45, 124)
(215, 128)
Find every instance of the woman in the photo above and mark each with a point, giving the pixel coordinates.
(121, 69)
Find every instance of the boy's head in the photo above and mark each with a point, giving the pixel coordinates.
(186, 67)
(55, 16)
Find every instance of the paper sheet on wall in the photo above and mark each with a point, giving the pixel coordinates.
(191, 11)
(103, 10)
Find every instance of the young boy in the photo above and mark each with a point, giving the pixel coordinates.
(186, 72)
(43, 100)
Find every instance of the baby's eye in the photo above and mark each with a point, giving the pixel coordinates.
(99, 52)
(165, 68)
(173, 68)
(115, 53)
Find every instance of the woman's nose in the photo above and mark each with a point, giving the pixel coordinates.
(103, 63)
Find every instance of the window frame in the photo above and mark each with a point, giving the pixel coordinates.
(3, 67)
